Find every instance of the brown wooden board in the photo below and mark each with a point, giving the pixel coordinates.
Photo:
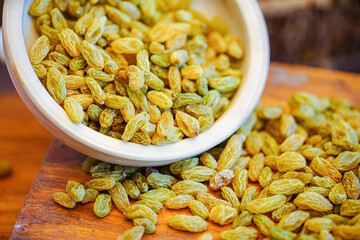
(23, 143)
(42, 218)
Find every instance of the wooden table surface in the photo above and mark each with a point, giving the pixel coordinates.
(24, 142)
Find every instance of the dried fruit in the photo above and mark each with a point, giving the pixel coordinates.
(96, 166)
(127, 45)
(75, 190)
(320, 190)
(287, 125)
(324, 182)
(231, 152)
(337, 219)
(96, 91)
(347, 232)
(40, 70)
(240, 182)
(344, 220)
(290, 161)
(256, 164)
(182, 165)
(337, 194)
(149, 226)
(154, 81)
(225, 84)
(131, 188)
(188, 124)
(350, 208)
(264, 224)
(119, 197)
(136, 78)
(210, 200)
(292, 142)
(134, 124)
(318, 224)
(311, 153)
(266, 177)
(243, 220)
(39, 50)
(92, 55)
(265, 193)
(343, 135)
(160, 99)
(102, 205)
(159, 194)
(268, 204)
(346, 161)
(140, 211)
(154, 69)
(154, 205)
(239, 233)
(90, 196)
(253, 142)
(188, 187)
(270, 145)
(115, 101)
(304, 177)
(187, 223)
(116, 175)
(56, 85)
(205, 236)
(217, 42)
(117, 16)
(293, 220)
(313, 201)
(101, 183)
(282, 211)
(141, 182)
(134, 233)
(197, 208)
(221, 179)
(222, 215)
(229, 195)
(325, 169)
(5, 168)
(280, 234)
(208, 160)
(74, 82)
(158, 180)
(64, 200)
(39, 7)
(249, 195)
(286, 186)
(191, 72)
(271, 112)
(179, 201)
(198, 173)
(351, 184)
(74, 110)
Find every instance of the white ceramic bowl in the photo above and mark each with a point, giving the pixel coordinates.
(245, 20)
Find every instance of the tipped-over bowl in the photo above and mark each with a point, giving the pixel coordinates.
(244, 19)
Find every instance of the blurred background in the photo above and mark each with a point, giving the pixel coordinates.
(321, 33)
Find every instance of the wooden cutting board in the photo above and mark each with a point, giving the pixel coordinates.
(42, 218)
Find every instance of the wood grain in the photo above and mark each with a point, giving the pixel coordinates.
(284, 80)
(286, 7)
(23, 142)
(41, 218)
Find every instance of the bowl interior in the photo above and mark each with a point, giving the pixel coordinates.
(244, 19)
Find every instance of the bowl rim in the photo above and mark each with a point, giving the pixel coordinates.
(100, 146)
